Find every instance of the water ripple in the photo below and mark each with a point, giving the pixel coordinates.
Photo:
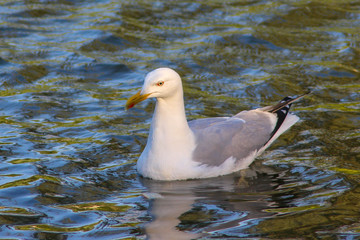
(68, 149)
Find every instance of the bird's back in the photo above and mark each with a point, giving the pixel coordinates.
(218, 139)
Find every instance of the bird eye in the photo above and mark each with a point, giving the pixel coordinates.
(160, 83)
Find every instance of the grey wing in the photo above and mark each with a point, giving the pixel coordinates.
(202, 123)
(237, 137)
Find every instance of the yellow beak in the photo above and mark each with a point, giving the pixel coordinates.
(135, 99)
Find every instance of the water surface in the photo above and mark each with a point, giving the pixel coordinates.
(68, 149)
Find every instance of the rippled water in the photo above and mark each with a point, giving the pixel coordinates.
(68, 149)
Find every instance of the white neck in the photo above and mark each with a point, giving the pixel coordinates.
(170, 143)
(169, 121)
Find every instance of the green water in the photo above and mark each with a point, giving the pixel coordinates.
(68, 149)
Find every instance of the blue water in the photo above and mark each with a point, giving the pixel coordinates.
(68, 149)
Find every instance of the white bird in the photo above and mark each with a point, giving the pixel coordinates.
(203, 148)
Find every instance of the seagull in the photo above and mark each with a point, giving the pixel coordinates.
(178, 150)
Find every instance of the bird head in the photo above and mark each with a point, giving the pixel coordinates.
(159, 83)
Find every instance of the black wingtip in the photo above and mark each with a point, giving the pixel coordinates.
(284, 102)
(282, 109)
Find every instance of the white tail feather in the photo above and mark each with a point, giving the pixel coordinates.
(288, 122)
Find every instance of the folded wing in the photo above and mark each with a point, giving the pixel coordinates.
(246, 133)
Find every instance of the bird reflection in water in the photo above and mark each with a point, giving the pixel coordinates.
(244, 196)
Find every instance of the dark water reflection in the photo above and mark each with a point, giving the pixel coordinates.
(68, 149)
(254, 203)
